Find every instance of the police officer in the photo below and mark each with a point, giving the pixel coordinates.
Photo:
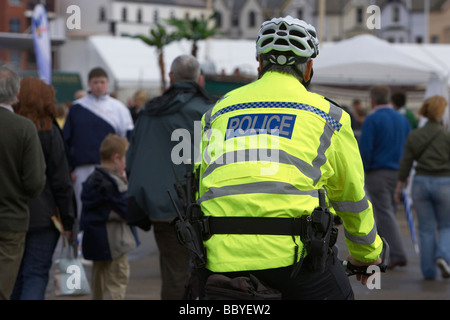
(268, 147)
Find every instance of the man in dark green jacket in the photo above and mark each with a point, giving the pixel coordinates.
(154, 165)
(22, 172)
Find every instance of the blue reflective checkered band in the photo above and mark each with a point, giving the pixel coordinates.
(275, 104)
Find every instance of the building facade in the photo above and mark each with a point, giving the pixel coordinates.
(16, 42)
(439, 23)
(13, 22)
(413, 21)
(401, 21)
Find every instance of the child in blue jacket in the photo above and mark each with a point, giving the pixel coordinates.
(107, 238)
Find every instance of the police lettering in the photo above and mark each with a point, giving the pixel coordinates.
(250, 124)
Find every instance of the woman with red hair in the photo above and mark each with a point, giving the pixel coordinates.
(429, 146)
(37, 102)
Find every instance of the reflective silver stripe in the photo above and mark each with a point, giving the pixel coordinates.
(259, 155)
(367, 239)
(207, 121)
(207, 118)
(351, 206)
(268, 187)
(335, 113)
(321, 159)
(325, 142)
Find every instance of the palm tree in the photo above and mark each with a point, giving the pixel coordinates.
(159, 38)
(194, 29)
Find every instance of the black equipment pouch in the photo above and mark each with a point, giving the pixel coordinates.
(322, 224)
(221, 287)
(319, 239)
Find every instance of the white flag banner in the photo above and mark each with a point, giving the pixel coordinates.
(42, 47)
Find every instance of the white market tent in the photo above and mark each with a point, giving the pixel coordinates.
(437, 55)
(134, 64)
(368, 60)
(361, 60)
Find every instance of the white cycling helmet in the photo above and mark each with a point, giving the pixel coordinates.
(287, 35)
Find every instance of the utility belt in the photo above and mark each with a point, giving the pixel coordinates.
(316, 231)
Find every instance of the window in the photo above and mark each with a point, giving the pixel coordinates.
(124, 14)
(359, 15)
(396, 14)
(102, 14)
(139, 16)
(300, 14)
(14, 25)
(235, 20)
(251, 19)
(218, 19)
(155, 16)
(15, 58)
(15, 2)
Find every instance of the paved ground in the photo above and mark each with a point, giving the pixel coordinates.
(404, 283)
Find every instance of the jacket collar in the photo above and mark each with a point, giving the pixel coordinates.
(7, 107)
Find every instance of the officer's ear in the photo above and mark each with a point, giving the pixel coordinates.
(259, 66)
(307, 75)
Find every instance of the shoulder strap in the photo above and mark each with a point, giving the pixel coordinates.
(428, 144)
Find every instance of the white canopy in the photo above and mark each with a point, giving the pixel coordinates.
(132, 63)
(361, 60)
(437, 55)
(368, 60)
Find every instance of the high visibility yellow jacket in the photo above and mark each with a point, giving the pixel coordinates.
(267, 148)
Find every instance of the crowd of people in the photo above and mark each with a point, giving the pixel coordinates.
(104, 169)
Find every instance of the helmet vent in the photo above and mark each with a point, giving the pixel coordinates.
(297, 33)
(297, 44)
(268, 31)
(266, 42)
(282, 42)
(282, 27)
